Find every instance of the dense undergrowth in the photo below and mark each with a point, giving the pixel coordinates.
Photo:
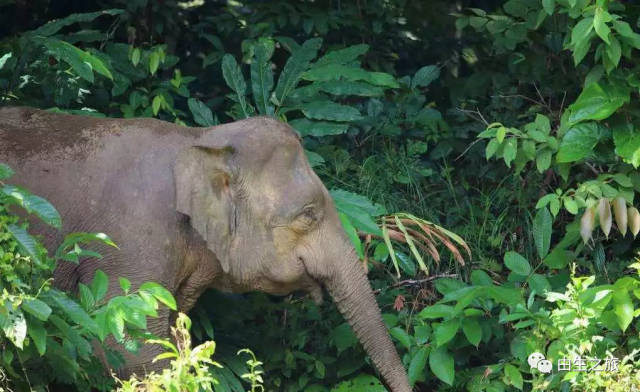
(509, 123)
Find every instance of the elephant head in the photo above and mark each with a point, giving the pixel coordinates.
(272, 225)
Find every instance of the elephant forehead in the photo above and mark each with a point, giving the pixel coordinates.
(286, 182)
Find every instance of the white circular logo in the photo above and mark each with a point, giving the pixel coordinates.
(534, 359)
(545, 366)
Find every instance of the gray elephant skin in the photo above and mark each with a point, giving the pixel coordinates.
(234, 207)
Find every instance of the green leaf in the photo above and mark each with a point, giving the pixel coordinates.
(345, 87)
(338, 72)
(37, 308)
(361, 383)
(491, 148)
(600, 25)
(125, 284)
(436, 311)
(472, 330)
(233, 77)
(86, 296)
(543, 160)
(542, 232)
(33, 204)
(201, 113)
(596, 103)
(441, 364)
(154, 62)
(5, 171)
(14, 325)
(351, 233)
(446, 331)
(549, 6)
(156, 104)
(262, 76)
(73, 310)
(295, 66)
(579, 141)
(160, 293)
(328, 110)
(516, 263)
(306, 127)
(99, 285)
(342, 56)
(56, 25)
(38, 334)
(4, 58)
(510, 151)
(513, 376)
(83, 63)
(539, 283)
(347, 202)
(623, 307)
(580, 32)
(417, 365)
(401, 336)
(425, 75)
(343, 337)
(25, 241)
(627, 143)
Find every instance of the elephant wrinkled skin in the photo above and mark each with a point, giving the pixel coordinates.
(234, 207)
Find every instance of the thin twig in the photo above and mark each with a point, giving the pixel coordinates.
(414, 282)
(477, 112)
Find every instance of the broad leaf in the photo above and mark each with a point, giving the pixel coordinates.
(33, 204)
(5, 171)
(579, 141)
(328, 110)
(26, 242)
(294, 67)
(542, 231)
(201, 113)
(160, 293)
(37, 308)
(417, 365)
(446, 331)
(233, 77)
(441, 364)
(54, 26)
(516, 263)
(262, 76)
(307, 127)
(597, 103)
(342, 56)
(425, 75)
(472, 330)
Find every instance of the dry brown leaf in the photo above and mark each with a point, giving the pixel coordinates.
(586, 224)
(604, 212)
(634, 220)
(620, 214)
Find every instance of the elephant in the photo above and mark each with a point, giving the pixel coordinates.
(235, 207)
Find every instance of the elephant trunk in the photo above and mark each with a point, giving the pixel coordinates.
(354, 297)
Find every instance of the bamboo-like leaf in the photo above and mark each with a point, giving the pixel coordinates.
(392, 253)
(233, 77)
(604, 212)
(587, 222)
(262, 76)
(620, 213)
(634, 220)
(294, 67)
(415, 252)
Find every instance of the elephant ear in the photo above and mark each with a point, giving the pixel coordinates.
(203, 192)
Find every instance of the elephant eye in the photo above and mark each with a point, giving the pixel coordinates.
(307, 216)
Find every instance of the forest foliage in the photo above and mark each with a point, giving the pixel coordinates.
(507, 127)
